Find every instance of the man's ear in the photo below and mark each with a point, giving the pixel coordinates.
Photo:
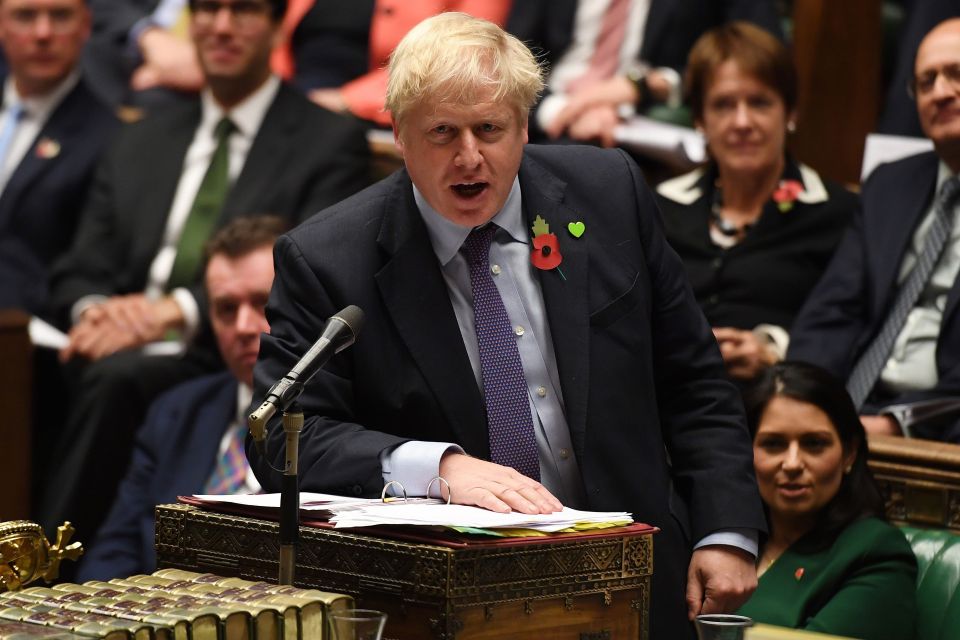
(396, 134)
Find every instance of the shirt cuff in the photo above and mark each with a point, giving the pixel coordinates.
(675, 97)
(746, 539)
(83, 304)
(776, 337)
(905, 429)
(190, 310)
(414, 464)
(550, 108)
(132, 48)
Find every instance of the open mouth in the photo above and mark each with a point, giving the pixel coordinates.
(469, 189)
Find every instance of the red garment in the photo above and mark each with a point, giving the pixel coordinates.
(281, 59)
(392, 19)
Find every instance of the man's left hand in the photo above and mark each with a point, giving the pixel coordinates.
(883, 425)
(719, 580)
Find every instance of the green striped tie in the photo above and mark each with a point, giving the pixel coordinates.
(204, 212)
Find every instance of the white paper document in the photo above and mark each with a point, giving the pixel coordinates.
(672, 144)
(462, 516)
(347, 512)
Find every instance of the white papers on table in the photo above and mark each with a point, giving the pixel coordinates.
(672, 144)
(347, 512)
(461, 516)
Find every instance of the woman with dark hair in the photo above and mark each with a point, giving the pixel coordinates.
(754, 227)
(831, 563)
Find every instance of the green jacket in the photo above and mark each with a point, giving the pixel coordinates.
(863, 586)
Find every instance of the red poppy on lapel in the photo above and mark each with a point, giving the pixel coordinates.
(546, 252)
(48, 148)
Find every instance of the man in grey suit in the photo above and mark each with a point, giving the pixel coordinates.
(248, 145)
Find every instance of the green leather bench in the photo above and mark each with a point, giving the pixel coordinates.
(938, 582)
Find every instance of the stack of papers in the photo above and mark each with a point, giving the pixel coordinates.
(462, 517)
(346, 512)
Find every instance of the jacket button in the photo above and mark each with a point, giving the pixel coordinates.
(357, 490)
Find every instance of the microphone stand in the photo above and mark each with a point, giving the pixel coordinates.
(290, 495)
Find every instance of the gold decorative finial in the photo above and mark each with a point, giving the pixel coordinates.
(26, 555)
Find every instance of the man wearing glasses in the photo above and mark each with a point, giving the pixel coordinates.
(884, 315)
(52, 130)
(248, 144)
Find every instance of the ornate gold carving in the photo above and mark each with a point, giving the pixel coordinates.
(528, 607)
(607, 598)
(26, 555)
(568, 603)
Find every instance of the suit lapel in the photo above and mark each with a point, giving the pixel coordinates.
(893, 234)
(60, 132)
(273, 140)
(416, 298)
(203, 435)
(168, 155)
(565, 297)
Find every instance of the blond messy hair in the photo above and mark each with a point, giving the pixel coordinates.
(454, 57)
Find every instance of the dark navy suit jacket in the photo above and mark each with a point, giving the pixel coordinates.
(175, 451)
(657, 428)
(848, 306)
(41, 203)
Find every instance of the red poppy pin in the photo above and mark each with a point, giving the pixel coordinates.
(798, 573)
(787, 193)
(546, 249)
(48, 148)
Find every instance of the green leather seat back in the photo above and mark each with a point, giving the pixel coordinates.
(938, 582)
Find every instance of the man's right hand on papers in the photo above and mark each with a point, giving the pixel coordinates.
(494, 487)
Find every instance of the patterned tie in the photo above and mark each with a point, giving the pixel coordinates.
(15, 114)
(204, 211)
(606, 51)
(230, 474)
(509, 423)
(868, 368)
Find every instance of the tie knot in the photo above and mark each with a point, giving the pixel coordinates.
(223, 129)
(477, 245)
(949, 191)
(16, 111)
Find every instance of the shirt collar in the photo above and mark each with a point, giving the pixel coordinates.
(447, 237)
(39, 108)
(247, 115)
(244, 398)
(943, 174)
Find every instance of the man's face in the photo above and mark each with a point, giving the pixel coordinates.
(234, 39)
(937, 87)
(42, 40)
(238, 289)
(463, 157)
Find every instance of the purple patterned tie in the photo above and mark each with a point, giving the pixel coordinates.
(509, 423)
(230, 474)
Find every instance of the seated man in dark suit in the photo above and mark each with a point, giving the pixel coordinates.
(52, 131)
(571, 368)
(249, 143)
(883, 317)
(194, 433)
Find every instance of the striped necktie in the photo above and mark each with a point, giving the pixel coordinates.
(15, 114)
(230, 474)
(871, 363)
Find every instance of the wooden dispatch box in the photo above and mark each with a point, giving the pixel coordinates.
(438, 585)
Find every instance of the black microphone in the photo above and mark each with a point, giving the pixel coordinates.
(339, 332)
